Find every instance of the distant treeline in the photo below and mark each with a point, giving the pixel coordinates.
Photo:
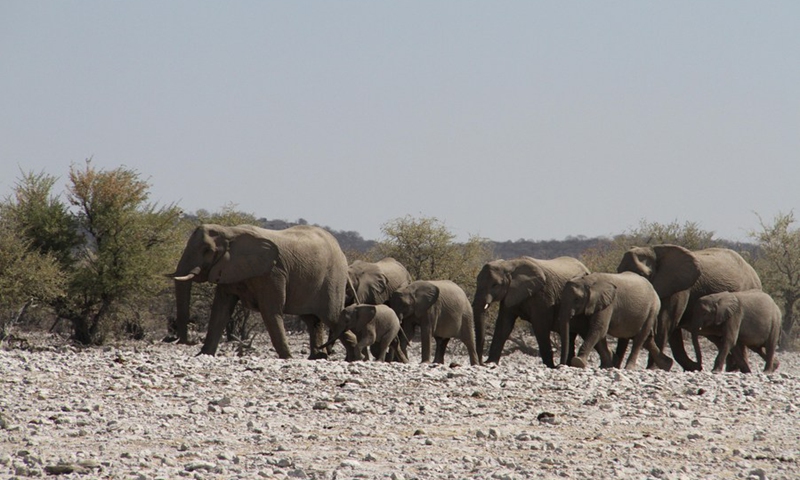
(572, 246)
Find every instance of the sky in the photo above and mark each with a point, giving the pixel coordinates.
(504, 119)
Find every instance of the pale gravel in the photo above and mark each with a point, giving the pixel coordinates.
(150, 410)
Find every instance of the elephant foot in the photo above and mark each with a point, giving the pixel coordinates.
(577, 362)
(318, 356)
(692, 367)
(664, 363)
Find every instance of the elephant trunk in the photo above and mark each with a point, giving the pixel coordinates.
(336, 331)
(564, 317)
(479, 307)
(183, 294)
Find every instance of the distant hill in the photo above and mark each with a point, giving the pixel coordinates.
(543, 249)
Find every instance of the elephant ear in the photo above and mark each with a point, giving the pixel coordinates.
(246, 256)
(366, 314)
(524, 281)
(375, 285)
(677, 269)
(425, 295)
(599, 296)
(727, 307)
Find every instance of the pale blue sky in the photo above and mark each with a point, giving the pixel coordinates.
(508, 120)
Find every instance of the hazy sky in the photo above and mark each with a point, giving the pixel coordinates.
(504, 119)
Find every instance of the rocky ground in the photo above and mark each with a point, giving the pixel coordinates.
(152, 410)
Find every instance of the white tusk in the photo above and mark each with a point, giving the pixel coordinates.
(486, 307)
(184, 278)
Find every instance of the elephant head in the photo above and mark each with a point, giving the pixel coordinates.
(369, 284)
(580, 297)
(670, 268)
(508, 281)
(219, 255)
(354, 317)
(414, 299)
(716, 310)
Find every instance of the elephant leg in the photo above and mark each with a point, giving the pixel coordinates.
(606, 360)
(768, 354)
(619, 353)
(502, 330)
(380, 348)
(441, 346)
(698, 353)
(399, 355)
(657, 356)
(598, 328)
(316, 334)
(426, 333)
(679, 351)
(726, 343)
(221, 310)
(638, 342)
(367, 339)
(739, 354)
(542, 335)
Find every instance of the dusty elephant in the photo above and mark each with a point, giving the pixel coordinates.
(526, 288)
(735, 320)
(442, 310)
(680, 278)
(374, 282)
(623, 305)
(300, 271)
(375, 326)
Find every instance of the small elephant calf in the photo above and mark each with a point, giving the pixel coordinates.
(735, 320)
(375, 326)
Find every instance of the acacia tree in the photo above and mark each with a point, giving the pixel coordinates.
(427, 249)
(778, 265)
(109, 247)
(27, 277)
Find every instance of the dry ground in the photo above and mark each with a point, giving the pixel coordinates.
(152, 410)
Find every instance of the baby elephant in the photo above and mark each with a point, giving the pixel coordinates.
(375, 326)
(442, 310)
(735, 320)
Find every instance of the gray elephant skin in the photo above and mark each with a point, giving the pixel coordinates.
(681, 277)
(526, 288)
(300, 271)
(738, 320)
(442, 310)
(623, 305)
(375, 282)
(375, 326)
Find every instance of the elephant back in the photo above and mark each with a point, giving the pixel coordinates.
(558, 272)
(723, 270)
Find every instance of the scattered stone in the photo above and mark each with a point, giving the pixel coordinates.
(547, 417)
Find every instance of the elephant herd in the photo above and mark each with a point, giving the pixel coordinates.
(658, 292)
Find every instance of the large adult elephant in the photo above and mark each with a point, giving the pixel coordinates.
(526, 288)
(681, 277)
(375, 282)
(300, 271)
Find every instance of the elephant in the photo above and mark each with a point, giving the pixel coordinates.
(442, 310)
(527, 288)
(623, 305)
(374, 283)
(680, 278)
(738, 320)
(300, 270)
(375, 326)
